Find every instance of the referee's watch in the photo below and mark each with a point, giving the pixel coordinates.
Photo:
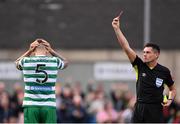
(170, 99)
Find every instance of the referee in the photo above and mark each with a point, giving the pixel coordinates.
(151, 77)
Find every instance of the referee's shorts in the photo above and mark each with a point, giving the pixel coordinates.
(148, 113)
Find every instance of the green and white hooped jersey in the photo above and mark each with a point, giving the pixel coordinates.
(40, 75)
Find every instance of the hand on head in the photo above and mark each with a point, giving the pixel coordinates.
(33, 45)
(37, 42)
(44, 42)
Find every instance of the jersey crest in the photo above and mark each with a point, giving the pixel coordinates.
(159, 82)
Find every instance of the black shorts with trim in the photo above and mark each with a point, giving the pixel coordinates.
(148, 113)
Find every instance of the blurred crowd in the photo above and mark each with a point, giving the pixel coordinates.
(78, 105)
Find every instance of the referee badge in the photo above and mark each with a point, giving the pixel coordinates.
(159, 82)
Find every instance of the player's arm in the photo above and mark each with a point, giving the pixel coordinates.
(27, 53)
(54, 53)
(122, 40)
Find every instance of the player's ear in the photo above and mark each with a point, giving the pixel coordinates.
(157, 55)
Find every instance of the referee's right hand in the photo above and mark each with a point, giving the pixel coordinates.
(167, 103)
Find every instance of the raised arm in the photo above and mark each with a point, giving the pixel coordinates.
(27, 53)
(54, 53)
(122, 40)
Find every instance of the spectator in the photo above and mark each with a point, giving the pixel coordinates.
(64, 104)
(17, 99)
(2, 87)
(78, 111)
(108, 114)
(118, 100)
(63, 113)
(126, 114)
(97, 103)
(77, 90)
(5, 110)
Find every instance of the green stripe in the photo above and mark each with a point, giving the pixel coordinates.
(39, 92)
(41, 68)
(37, 84)
(40, 99)
(39, 76)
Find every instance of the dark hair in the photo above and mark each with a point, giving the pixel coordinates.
(154, 46)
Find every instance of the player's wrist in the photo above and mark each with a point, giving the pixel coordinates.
(170, 99)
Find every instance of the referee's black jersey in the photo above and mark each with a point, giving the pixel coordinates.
(150, 82)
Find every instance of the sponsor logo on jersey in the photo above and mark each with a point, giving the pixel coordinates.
(144, 74)
(41, 88)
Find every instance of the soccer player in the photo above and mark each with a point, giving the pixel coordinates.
(40, 72)
(151, 77)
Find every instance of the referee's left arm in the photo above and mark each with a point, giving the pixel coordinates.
(171, 95)
(172, 92)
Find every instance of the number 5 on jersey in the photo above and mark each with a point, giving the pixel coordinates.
(38, 70)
